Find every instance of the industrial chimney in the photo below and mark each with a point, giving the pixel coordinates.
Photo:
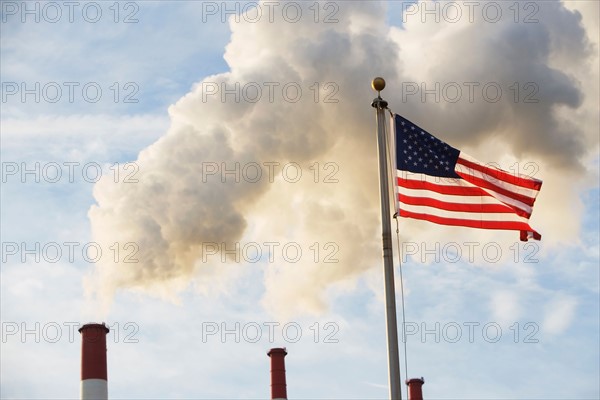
(278, 385)
(414, 388)
(93, 362)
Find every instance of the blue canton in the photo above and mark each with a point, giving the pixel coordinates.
(419, 151)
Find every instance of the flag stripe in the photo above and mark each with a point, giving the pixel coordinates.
(498, 174)
(501, 224)
(463, 172)
(503, 188)
(450, 198)
(451, 202)
(500, 193)
(463, 207)
(464, 189)
(456, 189)
(474, 216)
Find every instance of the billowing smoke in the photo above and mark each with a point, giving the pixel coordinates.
(286, 160)
(507, 78)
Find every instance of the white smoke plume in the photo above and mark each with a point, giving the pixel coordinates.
(178, 206)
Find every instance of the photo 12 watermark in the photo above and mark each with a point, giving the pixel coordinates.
(470, 332)
(269, 92)
(270, 252)
(53, 12)
(253, 12)
(67, 172)
(469, 91)
(55, 332)
(470, 252)
(253, 332)
(452, 12)
(69, 92)
(268, 171)
(69, 252)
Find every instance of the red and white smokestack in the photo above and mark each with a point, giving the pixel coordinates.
(415, 392)
(278, 385)
(93, 362)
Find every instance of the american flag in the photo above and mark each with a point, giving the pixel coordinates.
(441, 184)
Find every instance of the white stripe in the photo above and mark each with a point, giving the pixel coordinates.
(94, 389)
(502, 217)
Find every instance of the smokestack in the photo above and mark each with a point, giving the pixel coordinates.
(414, 388)
(278, 385)
(93, 362)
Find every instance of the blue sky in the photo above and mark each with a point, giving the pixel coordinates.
(521, 323)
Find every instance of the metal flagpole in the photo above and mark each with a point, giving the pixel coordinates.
(380, 105)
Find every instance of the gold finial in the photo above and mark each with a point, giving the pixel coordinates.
(378, 84)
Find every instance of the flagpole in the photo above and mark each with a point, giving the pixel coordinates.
(380, 105)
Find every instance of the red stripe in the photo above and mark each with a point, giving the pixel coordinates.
(488, 185)
(462, 207)
(529, 183)
(443, 189)
(506, 225)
